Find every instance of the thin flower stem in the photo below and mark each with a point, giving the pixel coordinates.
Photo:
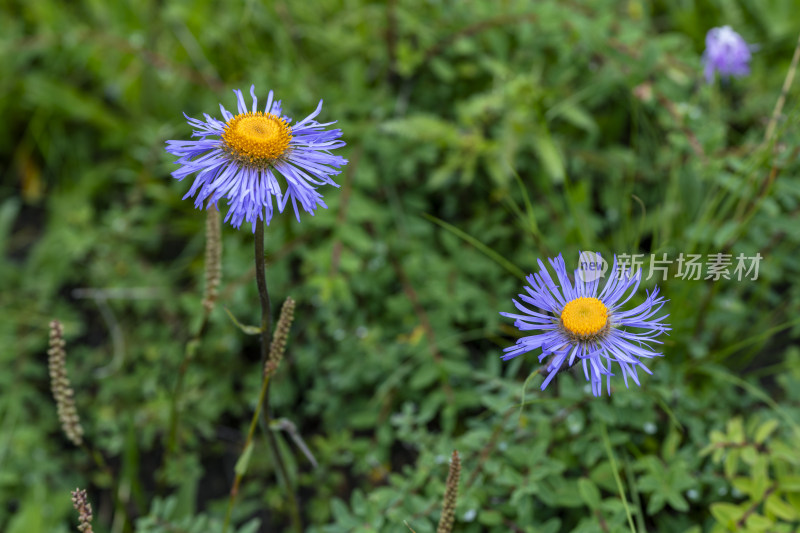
(263, 293)
(266, 325)
(262, 408)
(610, 452)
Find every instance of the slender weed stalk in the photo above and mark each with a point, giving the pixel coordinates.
(213, 275)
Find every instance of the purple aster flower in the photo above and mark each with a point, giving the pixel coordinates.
(574, 322)
(726, 52)
(242, 158)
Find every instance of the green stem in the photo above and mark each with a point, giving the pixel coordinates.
(621, 489)
(266, 325)
(262, 408)
(263, 293)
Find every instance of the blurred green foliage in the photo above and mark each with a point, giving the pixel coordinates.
(771, 486)
(527, 129)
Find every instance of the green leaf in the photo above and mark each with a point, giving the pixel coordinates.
(602, 476)
(244, 460)
(785, 452)
(765, 430)
(358, 503)
(775, 505)
(743, 485)
(250, 527)
(757, 522)
(656, 503)
(343, 515)
(789, 483)
(735, 430)
(717, 436)
(424, 377)
(727, 514)
(718, 455)
(549, 155)
(749, 455)
(589, 492)
(670, 444)
(677, 501)
(759, 472)
(248, 330)
(731, 463)
(794, 499)
(490, 518)
(577, 116)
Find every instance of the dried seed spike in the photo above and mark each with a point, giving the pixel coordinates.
(213, 258)
(279, 338)
(81, 504)
(59, 385)
(450, 495)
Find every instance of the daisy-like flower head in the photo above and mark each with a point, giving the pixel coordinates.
(578, 323)
(726, 52)
(242, 158)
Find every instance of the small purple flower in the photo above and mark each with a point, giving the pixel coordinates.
(726, 52)
(251, 150)
(578, 322)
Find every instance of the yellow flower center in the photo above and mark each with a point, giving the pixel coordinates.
(257, 138)
(584, 317)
